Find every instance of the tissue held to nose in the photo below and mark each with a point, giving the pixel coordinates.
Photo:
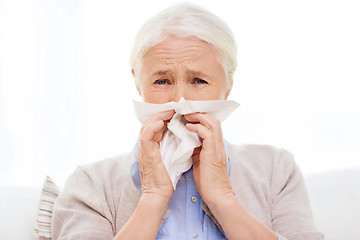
(178, 138)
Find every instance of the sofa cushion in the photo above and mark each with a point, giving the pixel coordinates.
(49, 193)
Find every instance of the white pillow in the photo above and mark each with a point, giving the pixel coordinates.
(48, 196)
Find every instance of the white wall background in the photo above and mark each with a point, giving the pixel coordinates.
(66, 90)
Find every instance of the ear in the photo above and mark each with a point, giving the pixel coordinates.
(133, 73)
(136, 83)
(227, 93)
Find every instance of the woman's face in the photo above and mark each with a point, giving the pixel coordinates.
(181, 67)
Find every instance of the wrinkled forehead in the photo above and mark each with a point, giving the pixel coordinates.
(175, 49)
(171, 48)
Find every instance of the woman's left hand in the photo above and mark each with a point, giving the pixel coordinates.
(209, 160)
(213, 183)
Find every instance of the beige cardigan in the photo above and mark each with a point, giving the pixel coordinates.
(99, 198)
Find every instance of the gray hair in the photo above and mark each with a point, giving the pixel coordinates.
(187, 20)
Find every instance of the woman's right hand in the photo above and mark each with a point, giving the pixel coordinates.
(155, 180)
(156, 185)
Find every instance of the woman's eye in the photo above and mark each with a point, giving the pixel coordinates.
(162, 82)
(199, 81)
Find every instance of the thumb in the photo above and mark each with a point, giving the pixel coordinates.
(196, 155)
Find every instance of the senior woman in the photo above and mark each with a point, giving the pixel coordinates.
(233, 192)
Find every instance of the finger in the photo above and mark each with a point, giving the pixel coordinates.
(203, 118)
(154, 128)
(165, 116)
(162, 117)
(152, 131)
(196, 155)
(202, 131)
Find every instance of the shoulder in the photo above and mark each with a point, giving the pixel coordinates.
(262, 156)
(261, 163)
(95, 192)
(98, 178)
(270, 165)
(108, 168)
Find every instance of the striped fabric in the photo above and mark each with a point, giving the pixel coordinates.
(49, 194)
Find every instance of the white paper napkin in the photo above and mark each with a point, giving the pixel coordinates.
(178, 143)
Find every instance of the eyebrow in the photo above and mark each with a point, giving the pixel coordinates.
(191, 72)
(197, 73)
(160, 73)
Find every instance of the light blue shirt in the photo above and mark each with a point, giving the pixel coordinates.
(187, 219)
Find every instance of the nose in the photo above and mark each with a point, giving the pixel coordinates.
(177, 93)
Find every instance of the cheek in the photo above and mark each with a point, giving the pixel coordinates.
(207, 93)
(156, 97)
